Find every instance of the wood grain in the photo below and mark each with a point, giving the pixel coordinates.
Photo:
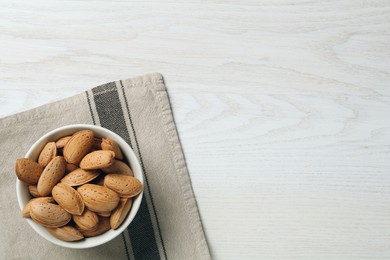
(282, 107)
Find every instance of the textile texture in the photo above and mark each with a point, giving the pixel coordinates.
(167, 225)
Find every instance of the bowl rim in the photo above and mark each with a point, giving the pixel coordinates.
(134, 164)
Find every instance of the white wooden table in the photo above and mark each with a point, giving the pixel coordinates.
(283, 107)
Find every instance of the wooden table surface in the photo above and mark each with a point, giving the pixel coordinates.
(282, 107)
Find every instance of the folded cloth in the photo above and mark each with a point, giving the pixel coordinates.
(167, 225)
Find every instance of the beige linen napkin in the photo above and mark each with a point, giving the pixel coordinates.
(167, 225)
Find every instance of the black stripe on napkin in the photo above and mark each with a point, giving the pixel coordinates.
(109, 110)
(111, 116)
(143, 169)
(94, 122)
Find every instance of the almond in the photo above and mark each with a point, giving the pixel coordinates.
(119, 167)
(79, 177)
(98, 198)
(78, 146)
(47, 154)
(33, 190)
(66, 233)
(97, 160)
(102, 227)
(87, 221)
(68, 198)
(71, 167)
(120, 213)
(51, 175)
(49, 215)
(60, 143)
(28, 171)
(111, 145)
(126, 186)
(26, 209)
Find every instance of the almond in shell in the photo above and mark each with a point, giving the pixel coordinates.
(126, 186)
(28, 171)
(86, 221)
(102, 227)
(49, 215)
(51, 175)
(26, 209)
(78, 146)
(66, 233)
(60, 143)
(111, 145)
(33, 190)
(68, 198)
(98, 198)
(120, 213)
(119, 167)
(47, 154)
(79, 177)
(97, 160)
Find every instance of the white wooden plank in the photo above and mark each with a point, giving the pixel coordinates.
(282, 107)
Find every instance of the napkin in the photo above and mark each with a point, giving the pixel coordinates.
(167, 225)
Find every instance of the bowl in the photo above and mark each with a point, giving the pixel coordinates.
(24, 196)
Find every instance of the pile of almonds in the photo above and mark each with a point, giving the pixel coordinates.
(81, 185)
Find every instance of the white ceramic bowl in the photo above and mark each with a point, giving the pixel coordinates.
(24, 195)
